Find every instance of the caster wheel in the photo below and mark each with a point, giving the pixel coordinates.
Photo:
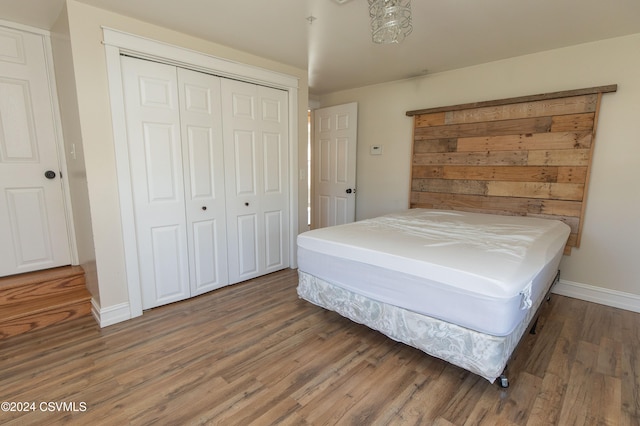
(504, 382)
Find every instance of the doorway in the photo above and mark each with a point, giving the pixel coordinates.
(335, 135)
(34, 225)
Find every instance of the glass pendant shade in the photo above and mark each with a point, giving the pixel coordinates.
(390, 20)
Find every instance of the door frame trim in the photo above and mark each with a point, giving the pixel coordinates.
(117, 43)
(58, 133)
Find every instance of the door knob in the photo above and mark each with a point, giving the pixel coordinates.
(349, 190)
(50, 174)
(246, 204)
(204, 207)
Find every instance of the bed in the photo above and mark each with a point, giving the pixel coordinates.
(460, 286)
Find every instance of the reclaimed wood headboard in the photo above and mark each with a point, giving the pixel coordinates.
(529, 155)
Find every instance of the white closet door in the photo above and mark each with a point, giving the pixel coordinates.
(203, 164)
(256, 168)
(153, 127)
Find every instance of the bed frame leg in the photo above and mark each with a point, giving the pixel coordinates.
(503, 381)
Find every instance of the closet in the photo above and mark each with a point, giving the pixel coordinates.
(208, 158)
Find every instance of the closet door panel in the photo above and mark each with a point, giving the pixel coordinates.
(248, 259)
(155, 157)
(160, 148)
(200, 151)
(256, 136)
(243, 203)
(274, 229)
(273, 167)
(167, 244)
(275, 204)
(275, 180)
(201, 129)
(244, 154)
(206, 268)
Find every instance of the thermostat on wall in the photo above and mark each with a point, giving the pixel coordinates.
(375, 150)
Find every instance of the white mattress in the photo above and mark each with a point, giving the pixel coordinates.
(476, 270)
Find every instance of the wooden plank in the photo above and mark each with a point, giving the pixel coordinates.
(578, 407)
(572, 221)
(573, 123)
(609, 356)
(60, 309)
(527, 141)
(492, 128)
(553, 191)
(504, 411)
(476, 187)
(39, 277)
(475, 203)
(427, 172)
(378, 399)
(500, 158)
(41, 299)
(508, 173)
(435, 145)
(561, 208)
(426, 120)
(496, 205)
(630, 365)
(572, 174)
(546, 407)
(529, 98)
(547, 107)
(38, 290)
(559, 157)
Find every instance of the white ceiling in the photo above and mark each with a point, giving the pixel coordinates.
(337, 49)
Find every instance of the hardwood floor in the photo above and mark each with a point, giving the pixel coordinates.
(254, 353)
(40, 299)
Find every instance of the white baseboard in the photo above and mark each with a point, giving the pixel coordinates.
(603, 296)
(111, 315)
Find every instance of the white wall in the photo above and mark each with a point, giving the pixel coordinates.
(90, 72)
(74, 152)
(607, 260)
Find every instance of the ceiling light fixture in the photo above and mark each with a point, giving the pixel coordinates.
(390, 20)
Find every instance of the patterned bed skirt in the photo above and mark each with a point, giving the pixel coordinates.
(479, 353)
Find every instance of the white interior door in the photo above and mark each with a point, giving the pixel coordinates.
(256, 144)
(203, 164)
(33, 227)
(155, 155)
(334, 160)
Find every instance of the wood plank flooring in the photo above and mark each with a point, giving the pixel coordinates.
(255, 354)
(40, 299)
